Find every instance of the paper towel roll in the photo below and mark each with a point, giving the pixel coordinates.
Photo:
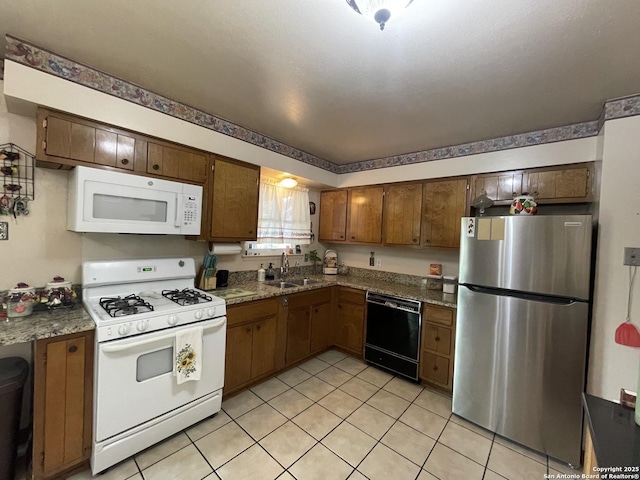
(225, 248)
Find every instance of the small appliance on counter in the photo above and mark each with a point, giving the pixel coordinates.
(222, 278)
(330, 263)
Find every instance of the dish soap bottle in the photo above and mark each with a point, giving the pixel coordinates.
(270, 274)
(261, 274)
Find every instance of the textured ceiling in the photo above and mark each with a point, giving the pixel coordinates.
(319, 77)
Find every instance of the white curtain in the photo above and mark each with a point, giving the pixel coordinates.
(283, 215)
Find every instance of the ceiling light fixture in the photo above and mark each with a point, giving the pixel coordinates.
(380, 11)
(288, 182)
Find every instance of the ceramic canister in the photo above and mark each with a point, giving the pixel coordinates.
(21, 300)
(523, 205)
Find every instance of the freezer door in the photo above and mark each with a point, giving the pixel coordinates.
(543, 254)
(519, 370)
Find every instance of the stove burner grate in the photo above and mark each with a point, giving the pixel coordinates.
(129, 305)
(186, 296)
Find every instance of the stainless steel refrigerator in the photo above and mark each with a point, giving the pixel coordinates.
(522, 321)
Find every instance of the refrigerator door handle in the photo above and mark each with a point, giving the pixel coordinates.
(523, 295)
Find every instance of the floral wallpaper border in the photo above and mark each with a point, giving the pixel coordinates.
(41, 59)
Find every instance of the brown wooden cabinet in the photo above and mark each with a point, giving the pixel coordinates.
(63, 403)
(333, 216)
(364, 215)
(444, 205)
(502, 186)
(170, 160)
(251, 342)
(233, 200)
(564, 184)
(438, 346)
(348, 328)
(65, 140)
(308, 323)
(402, 214)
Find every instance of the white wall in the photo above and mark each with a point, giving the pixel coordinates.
(613, 366)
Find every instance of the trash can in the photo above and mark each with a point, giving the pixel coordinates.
(13, 373)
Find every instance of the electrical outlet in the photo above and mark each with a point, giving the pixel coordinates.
(4, 230)
(306, 257)
(632, 256)
(378, 263)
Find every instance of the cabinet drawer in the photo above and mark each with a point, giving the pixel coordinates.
(247, 312)
(441, 315)
(437, 339)
(306, 299)
(435, 368)
(351, 295)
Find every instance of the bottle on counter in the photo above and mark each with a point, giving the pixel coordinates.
(270, 273)
(262, 274)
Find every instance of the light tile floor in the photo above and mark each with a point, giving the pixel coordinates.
(333, 417)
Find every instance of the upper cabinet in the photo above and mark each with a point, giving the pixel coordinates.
(69, 141)
(233, 205)
(572, 183)
(402, 214)
(176, 162)
(444, 204)
(66, 141)
(364, 215)
(333, 216)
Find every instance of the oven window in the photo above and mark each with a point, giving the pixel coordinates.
(154, 364)
(111, 207)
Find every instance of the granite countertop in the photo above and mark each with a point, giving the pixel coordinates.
(615, 435)
(414, 292)
(45, 324)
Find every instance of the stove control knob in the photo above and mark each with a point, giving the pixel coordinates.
(123, 329)
(198, 314)
(211, 312)
(142, 326)
(172, 320)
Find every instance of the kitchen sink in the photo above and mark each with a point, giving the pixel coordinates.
(279, 284)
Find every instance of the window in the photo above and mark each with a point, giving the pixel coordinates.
(283, 215)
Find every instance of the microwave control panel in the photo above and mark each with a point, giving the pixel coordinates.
(190, 210)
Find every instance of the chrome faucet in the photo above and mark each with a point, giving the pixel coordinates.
(284, 266)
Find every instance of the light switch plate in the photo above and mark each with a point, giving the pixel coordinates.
(4, 230)
(632, 256)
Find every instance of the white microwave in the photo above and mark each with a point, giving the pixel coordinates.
(114, 202)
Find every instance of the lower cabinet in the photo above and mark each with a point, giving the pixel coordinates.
(62, 404)
(251, 342)
(348, 328)
(308, 323)
(438, 339)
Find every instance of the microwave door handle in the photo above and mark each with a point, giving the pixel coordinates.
(128, 346)
(179, 210)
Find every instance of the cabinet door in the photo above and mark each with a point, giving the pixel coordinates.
(320, 326)
(437, 339)
(444, 204)
(365, 215)
(298, 334)
(435, 369)
(234, 207)
(350, 327)
(499, 186)
(402, 214)
(333, 215)
(178, 163)
(573, 183)
(237, 369)
(263, 357)
(63, 391)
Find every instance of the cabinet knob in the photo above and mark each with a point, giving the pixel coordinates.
(316, 310)
(156, 167)
(428, 241)
(535, 193)
(341, 236)
(437, 339)
(415, 240)
(258, 327)
(435, 367)
(73, 349)
(352, 237)
(125, 161)
(248, 329)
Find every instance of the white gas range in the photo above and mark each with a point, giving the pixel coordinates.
(139, 306)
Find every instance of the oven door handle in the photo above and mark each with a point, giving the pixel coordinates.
(128, 346)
